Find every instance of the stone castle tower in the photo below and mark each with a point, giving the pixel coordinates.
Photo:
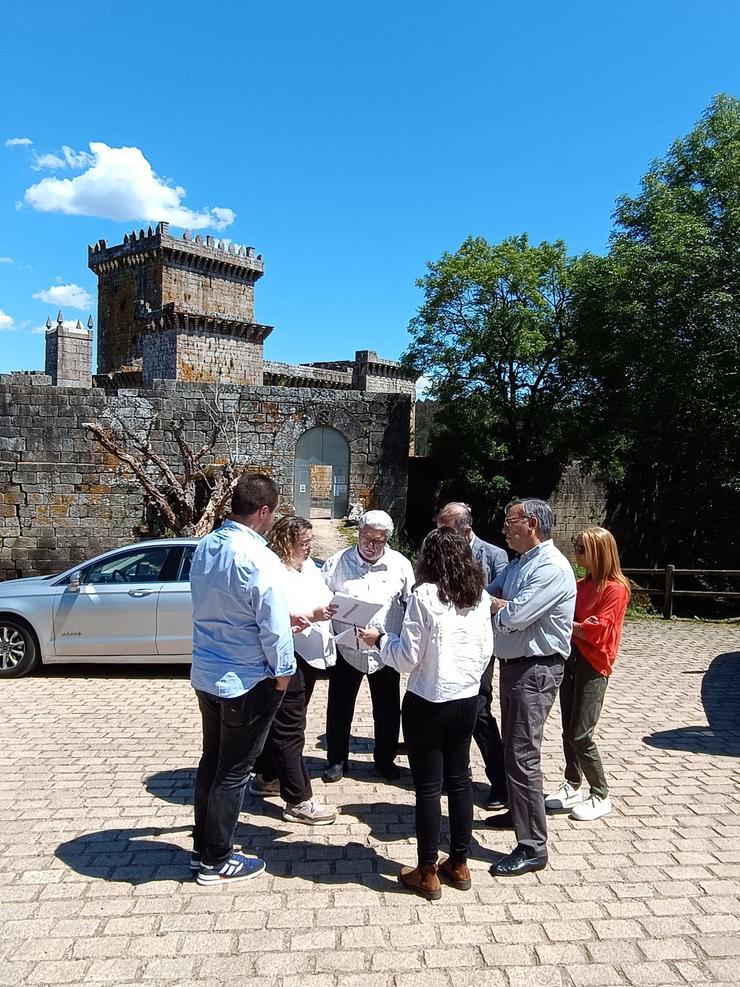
(178, 308)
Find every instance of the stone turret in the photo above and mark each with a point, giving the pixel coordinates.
(179, 308)
(69, 353)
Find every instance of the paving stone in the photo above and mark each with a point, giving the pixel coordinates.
(658, 901)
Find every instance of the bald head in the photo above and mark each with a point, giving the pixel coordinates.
(457, 516)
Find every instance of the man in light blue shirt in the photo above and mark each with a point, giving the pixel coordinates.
(242, 661)
(533, 603)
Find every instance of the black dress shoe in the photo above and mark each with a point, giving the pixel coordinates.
(502, 821)
(496, 802)
(516, 863)
(334, 772)
(391, 772)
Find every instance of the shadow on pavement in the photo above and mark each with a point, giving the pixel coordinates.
(720, 696)
(142, 856)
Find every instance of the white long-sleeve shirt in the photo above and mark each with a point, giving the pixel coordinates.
(444, 649)
(305, 590)
(387, 582)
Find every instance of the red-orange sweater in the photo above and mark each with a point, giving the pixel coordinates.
(600, 617)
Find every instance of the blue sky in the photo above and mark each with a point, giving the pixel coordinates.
(351, 142)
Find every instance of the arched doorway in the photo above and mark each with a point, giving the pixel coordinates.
(321, 477)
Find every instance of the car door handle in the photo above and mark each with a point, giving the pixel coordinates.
(140, 592)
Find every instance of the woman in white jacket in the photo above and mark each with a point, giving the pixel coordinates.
(445, 645)
(281, 767)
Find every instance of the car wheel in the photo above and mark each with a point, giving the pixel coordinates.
(18, 651)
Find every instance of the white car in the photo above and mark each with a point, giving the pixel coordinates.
(131, 604)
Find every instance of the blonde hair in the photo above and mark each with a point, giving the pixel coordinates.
(601, 558)
(284, 536)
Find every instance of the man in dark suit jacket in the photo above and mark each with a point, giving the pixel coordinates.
(487, 736)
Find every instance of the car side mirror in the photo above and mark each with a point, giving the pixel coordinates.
(74, 583)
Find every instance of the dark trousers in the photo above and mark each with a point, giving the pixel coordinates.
(438, 739)
(581, 699)
(234, 732)
(487, 737)
(282, 756)
(528, 690)
(385, 693)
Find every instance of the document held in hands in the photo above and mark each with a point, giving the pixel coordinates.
(350, 639)
(352, 611)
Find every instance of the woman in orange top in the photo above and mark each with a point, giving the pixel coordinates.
(601, 601)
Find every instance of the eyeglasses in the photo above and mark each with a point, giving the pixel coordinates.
(508, 521)
(578, 547)
(378, 540)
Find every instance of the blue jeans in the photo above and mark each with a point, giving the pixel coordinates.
(234, 732)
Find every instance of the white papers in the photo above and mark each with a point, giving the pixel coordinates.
(352, 611)
(351, 640)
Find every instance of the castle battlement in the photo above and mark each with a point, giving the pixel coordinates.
(207, 255)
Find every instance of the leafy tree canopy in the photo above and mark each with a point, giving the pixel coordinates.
(493, 335)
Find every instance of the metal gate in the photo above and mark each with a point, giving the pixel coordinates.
(321, 492)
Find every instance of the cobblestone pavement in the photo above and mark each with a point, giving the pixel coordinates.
(95, 811)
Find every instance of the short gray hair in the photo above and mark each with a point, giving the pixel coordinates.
(463, 515)
(540, 510)
(377, 519)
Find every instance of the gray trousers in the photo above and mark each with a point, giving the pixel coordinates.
(528, 687)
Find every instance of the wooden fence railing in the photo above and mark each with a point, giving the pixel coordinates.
(667, 591)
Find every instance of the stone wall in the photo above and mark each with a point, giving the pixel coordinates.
(579, 500)
(69, 355)
(63, 498)
(218, 294)
(200, 356)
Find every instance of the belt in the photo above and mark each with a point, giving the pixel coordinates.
(513, 661)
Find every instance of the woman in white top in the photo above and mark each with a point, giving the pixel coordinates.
(445, 645)
(281, 767)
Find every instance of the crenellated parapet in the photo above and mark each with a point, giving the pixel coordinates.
(208, 255)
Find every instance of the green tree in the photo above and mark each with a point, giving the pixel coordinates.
(657, 324)
(493, 336)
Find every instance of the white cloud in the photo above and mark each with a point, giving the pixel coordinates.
(47, 161)
(65, 295)
(6, 321)
(17, 141)
(6, 260)
(121, 185)
(69, 159)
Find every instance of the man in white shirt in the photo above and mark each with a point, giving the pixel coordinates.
(374, 573)
(533, 603)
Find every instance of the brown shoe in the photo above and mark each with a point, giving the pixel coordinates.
(422, 880)
(455, 873)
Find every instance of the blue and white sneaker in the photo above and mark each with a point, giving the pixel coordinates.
(194, 862)
(237, 868)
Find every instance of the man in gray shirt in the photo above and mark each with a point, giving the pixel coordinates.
(533, 603)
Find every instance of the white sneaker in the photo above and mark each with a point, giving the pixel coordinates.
(592, 808)
(563, 798)
(311, 813)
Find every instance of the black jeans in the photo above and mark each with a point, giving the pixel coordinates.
(234, 732)
(528, 690)
(438, 739)
(581, 699)
(282, 756)
(385, 693)
(488, 738)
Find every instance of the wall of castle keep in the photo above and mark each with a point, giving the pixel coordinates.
(63, 498)
(200, 356)
(218, 294)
